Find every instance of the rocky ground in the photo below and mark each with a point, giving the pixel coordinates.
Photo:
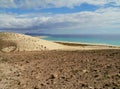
(98, 69)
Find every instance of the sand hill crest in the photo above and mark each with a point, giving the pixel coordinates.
(10, 42)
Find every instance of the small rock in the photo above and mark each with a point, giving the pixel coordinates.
(36, 87)
(84, 85)
(42, 84)
(52, 76)
(85, 71)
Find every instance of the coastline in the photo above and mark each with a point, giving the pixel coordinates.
(84, 44)
(38, 43)
(74, 46)
(78, 43)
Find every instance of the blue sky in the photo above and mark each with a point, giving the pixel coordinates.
(60, 16)
(60, 10)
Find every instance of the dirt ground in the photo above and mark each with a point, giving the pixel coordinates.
(98, 69)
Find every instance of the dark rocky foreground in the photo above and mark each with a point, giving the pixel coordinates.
(98, 69)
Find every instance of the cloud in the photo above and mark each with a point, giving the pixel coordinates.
(28, 4)
(108, 18)
(102, 18)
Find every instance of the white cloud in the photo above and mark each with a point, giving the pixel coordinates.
(27, 4)
(7, 3)
(100, 19)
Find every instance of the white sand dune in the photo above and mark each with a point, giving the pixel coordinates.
(19, 42)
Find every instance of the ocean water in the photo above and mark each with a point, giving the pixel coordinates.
(94, 39)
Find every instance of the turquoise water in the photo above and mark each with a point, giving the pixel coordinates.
(94, 39)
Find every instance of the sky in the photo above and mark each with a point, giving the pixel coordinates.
(60, 16)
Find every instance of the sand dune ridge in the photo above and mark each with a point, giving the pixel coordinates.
(19, 42)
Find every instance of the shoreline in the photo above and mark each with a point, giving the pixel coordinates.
(84, 44)
(78, 43)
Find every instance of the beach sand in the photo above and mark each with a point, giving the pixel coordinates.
(31, 63)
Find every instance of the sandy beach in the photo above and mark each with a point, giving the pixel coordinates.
(82, 46)
(31, 63)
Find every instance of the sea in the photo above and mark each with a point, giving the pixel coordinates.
(91, 39)
(105, 39)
